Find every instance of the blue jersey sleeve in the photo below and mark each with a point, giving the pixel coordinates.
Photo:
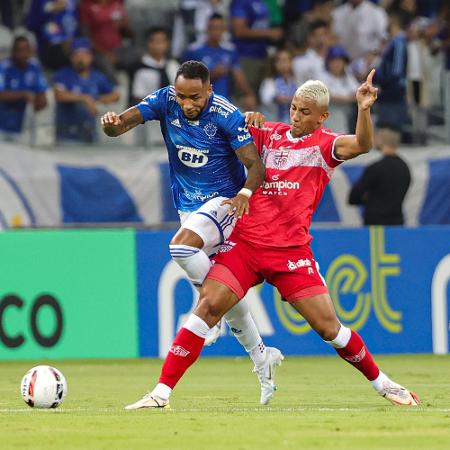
(152, 106)
(236, 130)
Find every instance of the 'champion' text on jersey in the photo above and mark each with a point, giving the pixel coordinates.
(297, 172)
(202, 158)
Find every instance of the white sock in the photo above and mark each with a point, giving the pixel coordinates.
(258, 354)
(342, 338)
(162, 391)
(244, 329)
(192, 260)
(377, 384)
(197, 326)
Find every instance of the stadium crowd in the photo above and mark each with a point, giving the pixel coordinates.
(97, 52)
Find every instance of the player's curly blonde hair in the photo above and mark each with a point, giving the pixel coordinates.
(314, 90)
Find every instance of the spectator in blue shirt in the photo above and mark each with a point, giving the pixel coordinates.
(222, 60)
(54, 22)
(22, 81)
(78, 90)
(250, 26)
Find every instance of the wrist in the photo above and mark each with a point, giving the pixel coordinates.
(245, 191)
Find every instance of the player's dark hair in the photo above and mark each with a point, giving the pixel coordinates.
(193, 70)
(156, 29)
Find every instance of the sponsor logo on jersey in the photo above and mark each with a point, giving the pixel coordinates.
(219, 110)
(199, 196)
(292, 265)
(277, 187)
(226, 246)
(178, 350)
(192, 157)
(176, 122)
(275, 136)
(210, 130)
(246, 134)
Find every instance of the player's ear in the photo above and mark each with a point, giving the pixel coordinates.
(323, 117)
(209, 90)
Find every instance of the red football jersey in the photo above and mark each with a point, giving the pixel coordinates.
(297, 172)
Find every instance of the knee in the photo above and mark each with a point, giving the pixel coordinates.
(327, 330)
(211, 306)
(177, 240)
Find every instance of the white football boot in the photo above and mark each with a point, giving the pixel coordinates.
(266, 374)
(214, 333)
(149, 401)
(398, 395)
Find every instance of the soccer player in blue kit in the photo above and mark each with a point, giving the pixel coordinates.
(208, 146)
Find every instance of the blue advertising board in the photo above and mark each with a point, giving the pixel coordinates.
(386, 283)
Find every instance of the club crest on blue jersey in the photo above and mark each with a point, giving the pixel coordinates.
(210, 130)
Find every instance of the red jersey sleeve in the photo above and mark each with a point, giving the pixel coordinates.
(327, 142)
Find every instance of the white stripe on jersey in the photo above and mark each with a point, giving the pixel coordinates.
(285, 158)
(224, 103)
(221, 105)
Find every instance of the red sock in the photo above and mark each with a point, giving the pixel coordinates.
(185, 350)
(357, 354)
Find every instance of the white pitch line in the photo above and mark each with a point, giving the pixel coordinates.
(219, 410)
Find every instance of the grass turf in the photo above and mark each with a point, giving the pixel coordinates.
(321, 403)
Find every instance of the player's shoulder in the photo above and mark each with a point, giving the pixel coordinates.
(222, 107)
(274, 131)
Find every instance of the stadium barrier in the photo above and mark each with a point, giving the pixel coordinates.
(84, 186)
(103, 293)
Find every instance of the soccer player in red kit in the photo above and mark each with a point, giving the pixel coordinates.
(272, 242)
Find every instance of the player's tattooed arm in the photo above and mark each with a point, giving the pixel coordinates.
(114, 124)
(348, 147)
(256, 171)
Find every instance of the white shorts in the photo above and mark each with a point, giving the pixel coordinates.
(211, 222)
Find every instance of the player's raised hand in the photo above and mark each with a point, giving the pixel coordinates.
(255, 119)
(366, 93)
(238, 205)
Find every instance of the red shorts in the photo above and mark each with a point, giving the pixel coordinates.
(292, 270)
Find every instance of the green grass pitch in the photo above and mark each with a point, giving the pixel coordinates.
(321, 403)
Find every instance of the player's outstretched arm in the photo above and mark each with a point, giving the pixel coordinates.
(256, 171)
(348, 147)
(114, 124)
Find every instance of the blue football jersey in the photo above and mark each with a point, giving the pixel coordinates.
(202, 158)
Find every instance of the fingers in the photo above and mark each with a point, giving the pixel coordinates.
(110, 118)
(238, 206)
(370, 77)
(255, 119)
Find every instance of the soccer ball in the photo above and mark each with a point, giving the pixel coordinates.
(43, 387)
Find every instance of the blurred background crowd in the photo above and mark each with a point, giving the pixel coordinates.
(64, 62)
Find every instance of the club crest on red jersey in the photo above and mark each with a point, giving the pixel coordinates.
(281, 157)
